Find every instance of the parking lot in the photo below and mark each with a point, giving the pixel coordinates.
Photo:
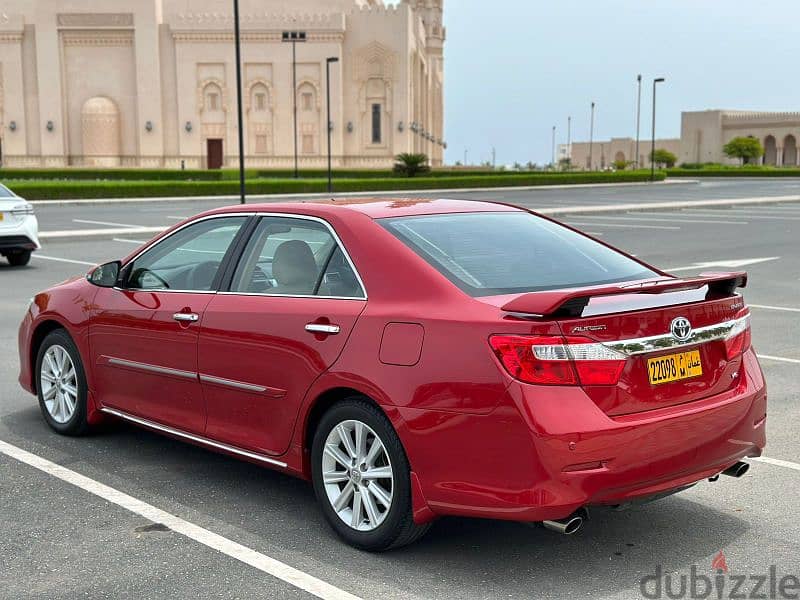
(66, 541)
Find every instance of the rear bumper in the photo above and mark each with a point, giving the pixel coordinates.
(575, 455)
(23, 235)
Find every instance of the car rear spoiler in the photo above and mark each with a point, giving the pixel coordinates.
(572, 302)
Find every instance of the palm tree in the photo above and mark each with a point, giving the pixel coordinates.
(410, 164)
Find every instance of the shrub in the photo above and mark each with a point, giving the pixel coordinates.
(663, 158)
(743, 148)
(411, 164)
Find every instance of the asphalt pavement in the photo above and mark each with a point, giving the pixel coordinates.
(63, 541)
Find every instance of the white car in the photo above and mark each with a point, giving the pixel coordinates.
(19, 229)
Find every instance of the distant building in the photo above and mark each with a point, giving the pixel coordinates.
(703, 134)
(152, 83)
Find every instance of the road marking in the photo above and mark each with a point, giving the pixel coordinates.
(768, 307)
(71, 234)
(174, 218)
(648, 219)
(105, 223)
(262, 562)
(64, 260)
(777, 462)
(626, 226)
(735, 263)
(137, 242)
(794, 361)
(692, 212)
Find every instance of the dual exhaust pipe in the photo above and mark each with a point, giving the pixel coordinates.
(574, 522)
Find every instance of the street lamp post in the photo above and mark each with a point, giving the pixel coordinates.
(328, 62)
(591, 138)
(293, 37)
(569, 140)
(653, 142)
(638, 116)
(238, 44)
(554, 147)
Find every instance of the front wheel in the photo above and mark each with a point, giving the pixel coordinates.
(19, 258)
(362, 477)
(61, 384)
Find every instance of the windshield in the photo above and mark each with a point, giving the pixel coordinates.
(5, 192)
(488, 254)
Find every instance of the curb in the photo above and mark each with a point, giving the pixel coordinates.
(376, 194)
(98, 234)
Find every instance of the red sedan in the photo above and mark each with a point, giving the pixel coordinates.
(411, 358)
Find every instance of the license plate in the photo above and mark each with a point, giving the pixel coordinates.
(1, 216)
(674, 367)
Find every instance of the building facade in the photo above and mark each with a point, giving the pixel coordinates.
(703, 135)
(152, 83)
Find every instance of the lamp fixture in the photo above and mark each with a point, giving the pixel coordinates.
(349, 127)
(12, 125)
(50, 126)
(401, 127)
(148, 126)
(188, 127)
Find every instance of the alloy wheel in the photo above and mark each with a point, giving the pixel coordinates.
(357, 475)
(59, 382)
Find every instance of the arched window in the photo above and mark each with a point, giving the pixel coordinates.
(212, 97)
(770, 150)
(789, 151)
(259, 98)
(306, 97)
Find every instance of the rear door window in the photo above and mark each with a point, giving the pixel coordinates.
(488, 254)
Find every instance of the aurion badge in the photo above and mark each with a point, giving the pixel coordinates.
(681, 329)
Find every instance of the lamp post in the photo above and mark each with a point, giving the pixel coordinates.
(653, 143)
(328, 62)
(591, 138)
(638, 116)
(238, 44)
(554, 147)
(293, 37)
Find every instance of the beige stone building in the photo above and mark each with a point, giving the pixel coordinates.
(152, 83)
(703, 134)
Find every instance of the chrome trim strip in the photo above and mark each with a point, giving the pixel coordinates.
(121, 362)
(666, 341)
(192, 437)
(356, 298)
(239, 385)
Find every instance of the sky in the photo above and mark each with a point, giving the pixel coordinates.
(515, 68)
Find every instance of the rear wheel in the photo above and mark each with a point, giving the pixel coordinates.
(362, 477)
(61, 384)
(19, 258)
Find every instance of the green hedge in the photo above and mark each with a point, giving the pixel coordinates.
(724, 171)
(50, 190)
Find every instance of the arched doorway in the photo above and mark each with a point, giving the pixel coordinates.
(619, 157)
(100, 132)
(770, 150)
(789, 151)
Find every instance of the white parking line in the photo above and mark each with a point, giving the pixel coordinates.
(262, 562)
(626, 226)
(691, 212)
(174, 218)
(768, 307)
(777, 462)
(669, 220)
(64, 260)
(137, 242)
(105, 223)
(794, 361)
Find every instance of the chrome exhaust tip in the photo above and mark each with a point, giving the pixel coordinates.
(737, 470)
(566, 526)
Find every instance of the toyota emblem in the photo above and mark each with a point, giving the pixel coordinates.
(681, 329)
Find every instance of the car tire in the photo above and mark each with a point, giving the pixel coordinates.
(19, 258)
(394, 525)
(61, 384)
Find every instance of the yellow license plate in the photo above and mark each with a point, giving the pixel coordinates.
(674, 367)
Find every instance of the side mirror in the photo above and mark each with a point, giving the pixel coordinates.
(106, 275)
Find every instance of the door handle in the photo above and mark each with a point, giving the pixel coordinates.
(323, 328)
(186, 317)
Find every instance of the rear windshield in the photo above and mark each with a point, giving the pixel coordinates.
(488, 254)
(5, 192)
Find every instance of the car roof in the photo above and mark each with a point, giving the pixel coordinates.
(377, 208)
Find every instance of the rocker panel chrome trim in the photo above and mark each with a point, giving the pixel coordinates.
(190, 436)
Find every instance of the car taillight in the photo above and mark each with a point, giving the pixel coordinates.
(556, 360)
(739, 338)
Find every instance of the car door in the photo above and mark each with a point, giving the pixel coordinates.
(292, 302)
(143, 335)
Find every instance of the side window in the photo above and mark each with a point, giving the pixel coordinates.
(187, 260)
(294, 257)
